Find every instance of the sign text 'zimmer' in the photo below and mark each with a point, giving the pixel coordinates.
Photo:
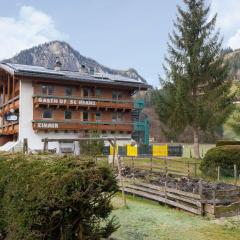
(66, 101)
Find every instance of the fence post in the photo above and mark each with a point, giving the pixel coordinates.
(214, 198)
(121, 180)
(200, 193)
(165, 192)
(188, 169)
(45, 145)
(132, 163)
(151, 163)
(166, 167)
(195, 169)
(235, 173)
(218, 173)
(25, 145)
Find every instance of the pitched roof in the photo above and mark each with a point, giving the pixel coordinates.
(104, 78)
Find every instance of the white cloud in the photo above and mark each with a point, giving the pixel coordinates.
(30, 28)
(234, 41)
(228, 20)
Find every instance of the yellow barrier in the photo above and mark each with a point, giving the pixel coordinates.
(160, 151)
(112, 150)
(132, 151)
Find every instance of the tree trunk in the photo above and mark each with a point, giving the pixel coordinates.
(196, 143)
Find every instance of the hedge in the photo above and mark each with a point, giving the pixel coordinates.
(225, 157)
(227, 142)
(52, 197)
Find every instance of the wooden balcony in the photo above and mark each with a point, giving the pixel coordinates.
(11, 104)
(39, 125)
(8, 129)
(82, 102)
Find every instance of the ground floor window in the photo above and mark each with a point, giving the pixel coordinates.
(98, 116)
(68, 115)
(47, 114)
(85, 116)
(117, 117)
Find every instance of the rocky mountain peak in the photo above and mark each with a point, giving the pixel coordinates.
(45, 55)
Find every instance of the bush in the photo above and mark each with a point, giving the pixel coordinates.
(225, 143)
(225, 157)
(92, 147)
(52, 197)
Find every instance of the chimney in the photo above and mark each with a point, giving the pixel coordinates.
(58, 64)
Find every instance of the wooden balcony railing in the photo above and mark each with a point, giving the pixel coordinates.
(82, 102)
(9, 129)
(11, 104)
(77, 125)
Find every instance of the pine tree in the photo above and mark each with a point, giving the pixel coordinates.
(196, 91)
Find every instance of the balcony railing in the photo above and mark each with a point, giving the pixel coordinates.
(77, 125)
(11, 104)
(9, 129)
(82, 102)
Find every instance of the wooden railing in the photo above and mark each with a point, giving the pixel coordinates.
(77, 125)
(11, 104)
(10, 128)
(82, 102)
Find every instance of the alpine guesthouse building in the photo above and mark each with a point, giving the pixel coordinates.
(38, 103)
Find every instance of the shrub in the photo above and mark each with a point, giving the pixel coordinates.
(92, 147)
(225, 157)
(46, 197)
(225, 143)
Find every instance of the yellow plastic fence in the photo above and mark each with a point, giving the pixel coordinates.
(160, 151)
(132, 151)
(112, 150)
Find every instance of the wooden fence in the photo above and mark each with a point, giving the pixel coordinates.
(174, 166)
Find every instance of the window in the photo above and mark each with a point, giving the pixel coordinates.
(98, 93)
(86, 92)
(44, 89)
(116, 95)
(68, 115)
(68, 91)
(114, 117)
(47, 89)
(50, 90)
(85, 116)
(47, 114)
(98, 116)
(117, 117)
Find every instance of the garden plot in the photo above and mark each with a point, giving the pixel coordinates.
(193, 195)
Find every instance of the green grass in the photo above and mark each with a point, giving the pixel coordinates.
(147, 220)
(188, 147)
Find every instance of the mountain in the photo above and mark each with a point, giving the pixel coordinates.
(233, 58)
(45, 55)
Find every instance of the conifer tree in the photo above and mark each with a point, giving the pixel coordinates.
(196, 91)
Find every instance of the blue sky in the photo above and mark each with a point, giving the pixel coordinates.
(117, 33)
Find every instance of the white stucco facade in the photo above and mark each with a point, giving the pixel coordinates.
(35, 138)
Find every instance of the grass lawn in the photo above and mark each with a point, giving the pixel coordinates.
(203, 148)
(148, 220)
